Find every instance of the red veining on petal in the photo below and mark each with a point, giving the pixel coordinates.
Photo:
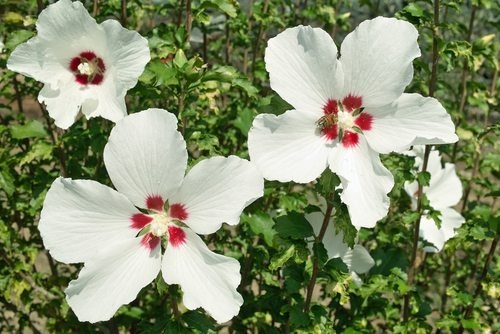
(331, 132)
(149, 241)
(350, 139)
(176, 236)
(351, 102)
(330, 107)
(154, 202)
(178, 211)
(364, 121)
(139, 220)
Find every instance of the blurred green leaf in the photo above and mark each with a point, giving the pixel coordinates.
(32, 129)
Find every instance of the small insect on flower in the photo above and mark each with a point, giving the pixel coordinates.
(327, 121)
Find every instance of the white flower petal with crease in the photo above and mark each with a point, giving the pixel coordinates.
(207, 279)
(288, 147)
(303, 67)
(112, 278)
(216, 191)
(146, 156)
(79, 217)
(365, 182)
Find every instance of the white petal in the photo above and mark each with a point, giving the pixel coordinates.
(358, 260)
(377, 60)
(445, 188)
(365, 182)
(356, 279)
(217, 190)
(129, 54)
(82, 216)
(65, 22)
(303, 67)
(207, 279)
(111, 279)
(410, 120)
(104, 101)
(62, 104)
(30, 59)
(450, 220)
(146, 156)
(333, 243)
(288, 147)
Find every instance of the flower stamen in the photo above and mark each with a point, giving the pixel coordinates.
(87, 68)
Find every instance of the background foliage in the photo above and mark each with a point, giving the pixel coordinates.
(208, 68)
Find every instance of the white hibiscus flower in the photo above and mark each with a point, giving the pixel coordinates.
(443, 192)
(83, 65)
(347, 110)
(146, 158)
(357, 259)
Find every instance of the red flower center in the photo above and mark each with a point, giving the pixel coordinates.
(87, 68)
(344, 121)
(160, 222)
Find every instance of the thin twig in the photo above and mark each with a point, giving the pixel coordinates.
(479, 286)
(95, 8)
(19, 98)
(432, 89)
(189, 19)
(260, 36)
(123, 15)
(413, 262)
(314, 275)
(55, 141)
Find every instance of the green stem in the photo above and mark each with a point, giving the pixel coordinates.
(413, 263)
(314, 275)
(479, 287)
(432, 89)
(123, 16)
(189, 19)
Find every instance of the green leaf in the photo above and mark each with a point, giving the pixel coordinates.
(320, 252)
(246, 85)
(17, 37)
(180, 59)
(293, 225)
(197, 320)
(470, 324)
(276, 105)
(280, 259)
(39, 151)
(164, 74)
(244, 121)
(327, 183)
(227, 6)
(7, 181)
(32, 129)
(298, 318)
(261, 223)
(424, 178)
(414, 10)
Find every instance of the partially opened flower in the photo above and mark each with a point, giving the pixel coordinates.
(357, 259)
(146, 158)
(83, 65)
(443, 192)
(346, 111)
